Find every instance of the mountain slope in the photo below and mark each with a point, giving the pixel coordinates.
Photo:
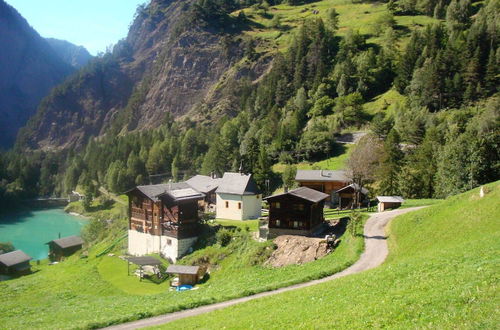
(29, 68)
(441, 273)
(164, 66)
(76, 56)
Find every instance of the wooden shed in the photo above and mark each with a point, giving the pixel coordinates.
(389, 202)
(64, 247)
(15, 262)
(189, 275)
(347, 196)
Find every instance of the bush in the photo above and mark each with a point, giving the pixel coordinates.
(224, 237)
(6, 247)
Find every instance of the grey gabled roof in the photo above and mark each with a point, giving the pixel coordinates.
(14, 258)
(178, 191)
(321, 175)
(354, 187)
(390, 199)
(238, 184)
(304, 193)
(179, 269)
(67, 242)
(204, 183)
(144, 261)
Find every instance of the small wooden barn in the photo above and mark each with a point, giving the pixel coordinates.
(389, 202)
(326, 181)
(15, 262)
(188, 275)
(296, 212)
(64, 247)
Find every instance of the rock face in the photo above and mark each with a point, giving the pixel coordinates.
(29, 68)
(76, 56)
(297, 250)
(163, 69)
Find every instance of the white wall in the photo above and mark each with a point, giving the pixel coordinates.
(250, 206)
(170, 248)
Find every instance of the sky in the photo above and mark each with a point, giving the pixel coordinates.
(94, 24)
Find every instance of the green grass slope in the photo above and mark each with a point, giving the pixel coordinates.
(94, 292)
(442, 272)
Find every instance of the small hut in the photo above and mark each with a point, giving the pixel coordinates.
(64, 247)
(347, 196)
(15, 262)
(389, 202)
(188, 275)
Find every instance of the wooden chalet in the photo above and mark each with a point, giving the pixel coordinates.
(296, 212)
(15, 262)
(163, 219)
(347, 196)
(206, 185)
(64, 247)
(389, 202)
(325, 181)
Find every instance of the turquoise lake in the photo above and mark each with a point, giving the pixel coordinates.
(30, 230)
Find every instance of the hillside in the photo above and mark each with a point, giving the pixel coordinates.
(95, 291)
(29, 68)
(202, 87)
(441, 273)
(76, 56)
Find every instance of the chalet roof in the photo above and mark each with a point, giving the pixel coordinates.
(178, 191)
(14, 258)
(67, 242)
(354, 187)
(144, 261)
(321, 176)
(390, 199)
(179, 269)
(238, 184)
(304, 193)
(204, 183)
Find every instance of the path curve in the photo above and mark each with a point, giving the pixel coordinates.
(376, 251)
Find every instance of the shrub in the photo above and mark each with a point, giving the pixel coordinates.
(224, 237)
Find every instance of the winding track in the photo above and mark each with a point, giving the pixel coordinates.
(376, 251)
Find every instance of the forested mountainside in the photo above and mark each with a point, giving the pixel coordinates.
(207, 85)
(76, 56)
(29, 68)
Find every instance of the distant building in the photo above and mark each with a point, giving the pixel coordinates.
(64, 247)
(238, 197)
(347, 196)
(75, 196)
(15, 262)
(206, 185)
(389, 202)
(296, 212)
(163, 219)
(325, 181)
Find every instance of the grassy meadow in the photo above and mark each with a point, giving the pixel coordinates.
(441, 273)
(96, 291)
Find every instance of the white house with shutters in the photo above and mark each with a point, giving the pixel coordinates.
(238, 197)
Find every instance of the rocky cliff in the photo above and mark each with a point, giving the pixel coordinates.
(170, 64)
(76, 56)
(29, 68)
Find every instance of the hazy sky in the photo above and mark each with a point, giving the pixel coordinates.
(94, 24)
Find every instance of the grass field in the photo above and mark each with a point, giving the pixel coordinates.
(94, 292)
(442, 273)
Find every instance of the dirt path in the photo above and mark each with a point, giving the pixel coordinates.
(375, 253)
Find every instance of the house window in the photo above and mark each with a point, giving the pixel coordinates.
(239, 205)
(276, 205)
(298, 207)
(277, 223)
(227, 204)
(295, 224)
(169, 242)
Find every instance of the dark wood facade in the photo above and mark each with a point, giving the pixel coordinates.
(57, 253)
(163, 216)
(295, 213)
